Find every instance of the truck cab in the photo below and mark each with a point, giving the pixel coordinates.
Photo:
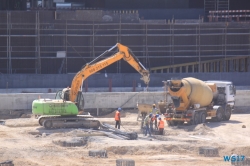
(230, 91)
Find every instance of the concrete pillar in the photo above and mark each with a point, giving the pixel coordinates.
(192, 68)
(221, 66)
(214, 64)
(180, 69)
(239, 65)
(245, 64)
(231, 65)
(210, 18)
(218, 66)
(186, 69)
(225, 66)
(234, 65)
(167, 70)
(248, 64)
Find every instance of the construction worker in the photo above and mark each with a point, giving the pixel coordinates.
(118, 118)
(156, 125)
(161, 126)
(147, 123)
(154, 110)
(152, 119)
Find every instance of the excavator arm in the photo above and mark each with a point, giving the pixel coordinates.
(94, 66)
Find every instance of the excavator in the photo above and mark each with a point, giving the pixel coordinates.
(63, 111)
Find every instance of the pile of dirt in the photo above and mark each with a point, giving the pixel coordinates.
(13, 114)
(203, 129)
(172, 157)
(151, 149)
(71, 142)
(25, 122)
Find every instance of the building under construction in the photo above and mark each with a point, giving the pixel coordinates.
(46, 37)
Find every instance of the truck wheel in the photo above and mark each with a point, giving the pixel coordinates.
(196, 119)
(47, 124)
(219, 114)
(203, 117)
(169, 123)
(180, 123)
(172, 123)
(228, 112)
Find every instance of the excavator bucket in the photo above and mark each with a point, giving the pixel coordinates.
(143, 110)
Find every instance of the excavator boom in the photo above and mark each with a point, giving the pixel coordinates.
(93, 67)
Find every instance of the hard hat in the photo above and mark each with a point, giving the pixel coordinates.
(119, 109)
(157, 115)
(159, 118)
(153, 104)
(150, 114)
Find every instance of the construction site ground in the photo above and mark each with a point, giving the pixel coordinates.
(26, 143)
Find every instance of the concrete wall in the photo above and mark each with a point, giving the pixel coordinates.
(97, 90)
(22, 101)
(102, 89)
(242, 98)
(102, 100)
(118, 80)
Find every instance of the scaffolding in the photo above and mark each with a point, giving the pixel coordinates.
(215, 5)
(38, 42)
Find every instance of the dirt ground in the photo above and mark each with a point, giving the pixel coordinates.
(26, 143)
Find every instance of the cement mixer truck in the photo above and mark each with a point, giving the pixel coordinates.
(194, 100)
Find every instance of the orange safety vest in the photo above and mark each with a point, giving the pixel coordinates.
(161, 124)
(117, 115)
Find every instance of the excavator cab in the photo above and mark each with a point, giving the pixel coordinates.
(64, 95)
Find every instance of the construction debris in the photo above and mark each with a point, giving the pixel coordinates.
(243, 126)
(71, 142)
(2, 122)
(98, 153)
(7, 163)
(208, 151)
(125, 162)
(122, 134)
